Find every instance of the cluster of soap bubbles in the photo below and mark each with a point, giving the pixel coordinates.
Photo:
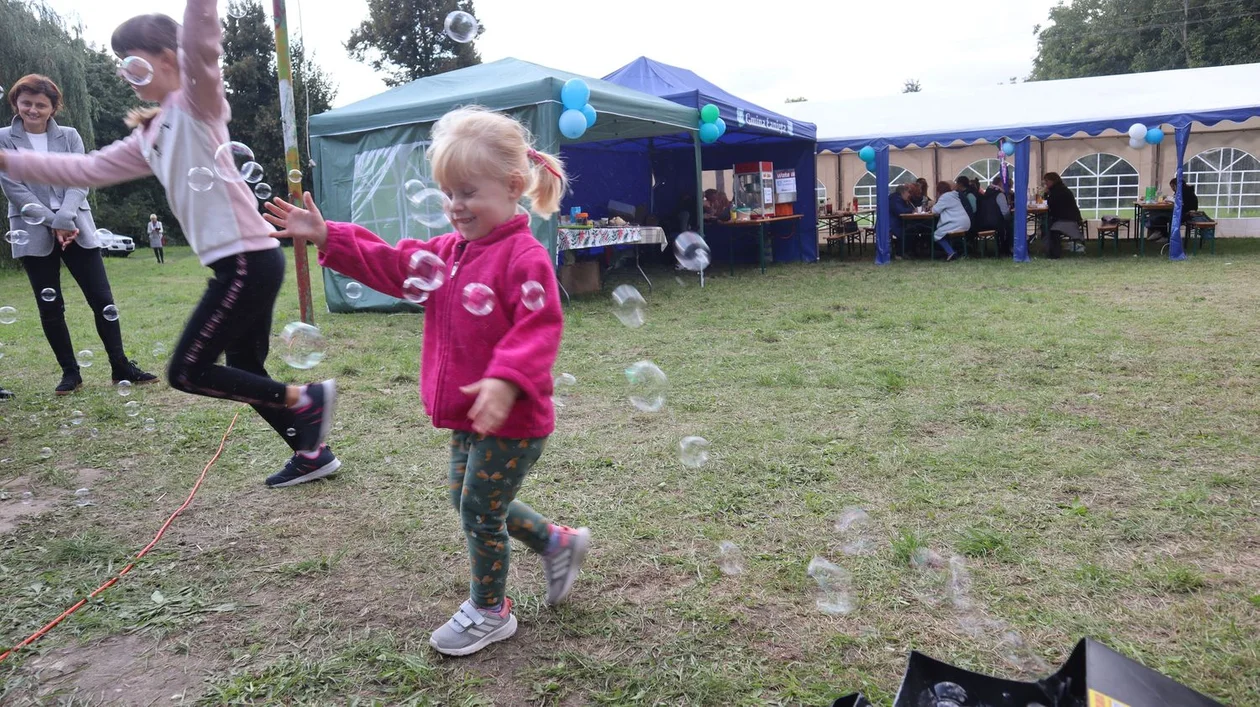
(233, 164)
(427, 205)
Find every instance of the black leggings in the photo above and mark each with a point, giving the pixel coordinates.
(234, 319)
(157, 253)
(88, 269)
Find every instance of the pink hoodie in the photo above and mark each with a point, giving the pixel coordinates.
(512, 342)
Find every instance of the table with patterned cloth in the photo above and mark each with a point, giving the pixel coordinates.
(599, 237)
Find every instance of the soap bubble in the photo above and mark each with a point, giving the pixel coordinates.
(926, 558)
(200, 179)
(303, 345)
(478, 299)
(234, 10)
(647, 386)
(950, 691)
(27, 496)
(150, 425)
(104, 232)
(354, 290)
(45, 453)
(461, 27)
(33, 214)
(427, 205)
(252, 172)
(110, 313)
(730, 559)
(565, 382)
(76, 417)
(159, 350)
(132, 408)
(17, 237)
(833, 587)
(629, 305)
(694, 451)
(413, 290)
(262, 190)
(124, 388)
(8, 315)
(427, 270)
(290, 432)
(81, 497)
(854, 526)
(295, 176)
(692, 252)
(136, 70)
(48, 294)
(230, 160)
(533, 296)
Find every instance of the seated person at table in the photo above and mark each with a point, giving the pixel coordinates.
(953, 217)
(716, 205)
(995, 211)
(1160, 220)
(898, 204)
(920, 197)
(1063, 214)
(970, 199)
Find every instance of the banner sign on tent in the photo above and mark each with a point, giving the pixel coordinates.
(750, 119)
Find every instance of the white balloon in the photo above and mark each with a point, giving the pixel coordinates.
(1137, 131)
(1137, 143)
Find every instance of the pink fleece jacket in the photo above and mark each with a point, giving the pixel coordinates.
(512, 342)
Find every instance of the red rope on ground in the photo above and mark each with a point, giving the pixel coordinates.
(51, 624)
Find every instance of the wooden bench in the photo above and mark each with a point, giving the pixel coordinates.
(960, 235)
(1205, 230)
(984, 237)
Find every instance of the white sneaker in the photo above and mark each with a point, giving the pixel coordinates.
(472, 629)
(562, 566)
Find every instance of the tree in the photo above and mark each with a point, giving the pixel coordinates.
(406, 39)
(252, 80)
(1107, 37)
(911, 86)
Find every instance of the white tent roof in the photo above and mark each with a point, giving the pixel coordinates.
(1039, 109)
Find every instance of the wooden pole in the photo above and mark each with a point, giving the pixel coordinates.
(288, 120)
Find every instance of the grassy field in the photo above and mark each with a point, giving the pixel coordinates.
(1081, 434)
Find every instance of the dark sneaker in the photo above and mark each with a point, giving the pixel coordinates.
(6, 394)
(314, 419)
(70, 382)
(301, 469)
(129, 371)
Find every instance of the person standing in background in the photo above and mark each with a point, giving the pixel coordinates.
(155, 238)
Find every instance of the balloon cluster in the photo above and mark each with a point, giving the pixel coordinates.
(578, 114)
(712, 126)
(1140, 136)
(867, 155)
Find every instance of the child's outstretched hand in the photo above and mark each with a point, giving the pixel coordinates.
(297, 222)
(495, 398)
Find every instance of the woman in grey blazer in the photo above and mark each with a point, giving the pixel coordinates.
(59, 227)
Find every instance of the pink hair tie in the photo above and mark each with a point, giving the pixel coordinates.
(539, 159)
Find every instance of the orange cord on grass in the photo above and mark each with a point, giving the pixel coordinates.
(51, 624)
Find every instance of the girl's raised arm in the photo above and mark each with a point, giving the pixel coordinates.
(200, 49)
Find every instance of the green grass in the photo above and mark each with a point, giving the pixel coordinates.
(1083, 432)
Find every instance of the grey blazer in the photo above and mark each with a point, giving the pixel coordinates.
(74, 212)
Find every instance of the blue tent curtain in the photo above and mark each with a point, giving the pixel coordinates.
(1176, 250)
(883, 246)
(1023, 154)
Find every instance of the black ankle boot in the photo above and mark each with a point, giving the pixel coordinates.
(70, 382)
(129, 371)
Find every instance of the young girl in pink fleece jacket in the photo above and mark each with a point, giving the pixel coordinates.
(484, 375)
(174, 142)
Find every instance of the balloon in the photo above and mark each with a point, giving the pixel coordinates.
(575, 94)
(709, 133)
(1137, 144)
(1137, 131)
(1008, 148)
(721, 126)
(1154, 136)
(589, 111)
(572, 124)
(871, 167)
(867, 154)
(710, 113)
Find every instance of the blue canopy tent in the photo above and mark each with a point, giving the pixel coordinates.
(753, 134)
(1039, 110)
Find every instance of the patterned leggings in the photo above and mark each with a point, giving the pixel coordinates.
(486, 473)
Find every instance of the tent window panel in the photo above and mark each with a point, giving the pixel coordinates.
(1227, 181)
(865, 191)
(1102, 183)
(378, 199)
(984, 171)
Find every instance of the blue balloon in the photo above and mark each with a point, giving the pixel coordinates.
(589, 111)
(575, 94)
(1008, 148)
(867, 154)
(721, 126)
(709, 133)
(871, 167)
(572, 124)
(1154, 136)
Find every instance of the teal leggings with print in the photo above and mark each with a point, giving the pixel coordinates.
(486, 473)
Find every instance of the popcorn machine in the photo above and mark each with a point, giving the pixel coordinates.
(754, 189)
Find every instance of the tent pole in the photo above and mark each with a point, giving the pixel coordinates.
(1158, 169)
(839, 181)
(1041, 158)
(288, 122)
(695, 139)
(936, 169)
(651, 176)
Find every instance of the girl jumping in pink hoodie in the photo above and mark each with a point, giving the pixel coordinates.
(178, 142)
(485, 375)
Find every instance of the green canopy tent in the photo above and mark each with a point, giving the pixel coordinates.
(367, 151)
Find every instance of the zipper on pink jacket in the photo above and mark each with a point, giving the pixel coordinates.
(446, 324)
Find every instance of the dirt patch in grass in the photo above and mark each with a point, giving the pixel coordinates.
(119, 670)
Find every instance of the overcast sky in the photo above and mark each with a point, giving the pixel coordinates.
(752, 49)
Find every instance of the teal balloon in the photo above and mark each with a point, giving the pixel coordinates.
(575, 94)
(721, 126)
(867, 154)
(588, 110)
(871, 167)
(1154, 136)
(572, 124)
(710, 113)
(709, 133)
(1008, 148)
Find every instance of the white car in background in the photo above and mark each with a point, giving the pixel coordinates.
(114, 244)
